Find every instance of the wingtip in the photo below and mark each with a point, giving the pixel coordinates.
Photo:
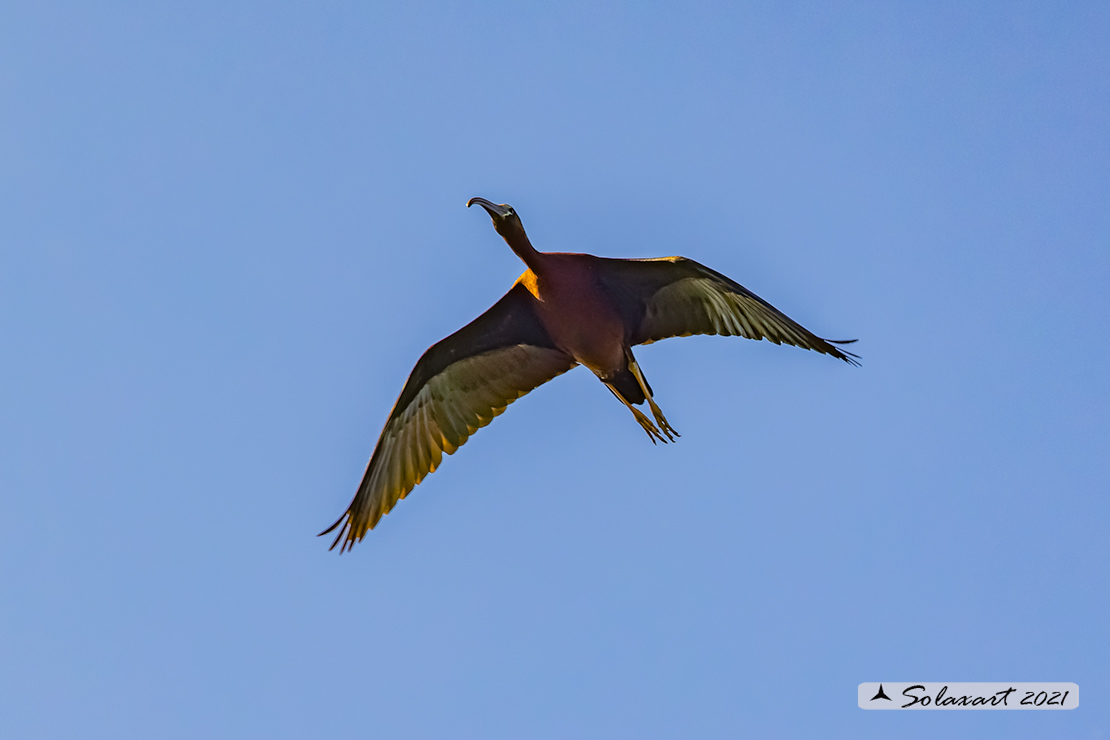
(348, 534)
(333, 526)
(842, 354)
(346, 522)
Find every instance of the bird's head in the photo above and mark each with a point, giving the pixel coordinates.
(504, 217)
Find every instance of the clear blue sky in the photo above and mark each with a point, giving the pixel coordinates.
(227, 232)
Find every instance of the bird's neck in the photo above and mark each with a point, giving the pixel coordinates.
(518, 242)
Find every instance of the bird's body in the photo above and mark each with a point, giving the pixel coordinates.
(582, 321)
(565, 310)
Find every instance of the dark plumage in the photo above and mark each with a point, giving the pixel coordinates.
(565, 310)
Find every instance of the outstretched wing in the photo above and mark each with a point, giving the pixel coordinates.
(677, 297)
(458, 386)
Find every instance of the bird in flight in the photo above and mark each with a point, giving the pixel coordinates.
(565, 310)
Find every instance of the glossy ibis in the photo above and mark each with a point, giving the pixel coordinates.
(565, 310)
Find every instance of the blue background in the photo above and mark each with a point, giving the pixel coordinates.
(227, 231)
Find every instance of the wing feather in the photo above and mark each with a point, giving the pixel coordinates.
(678, 297)
(457, 387)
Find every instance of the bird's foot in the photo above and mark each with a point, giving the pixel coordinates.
(662, 420)
(652, 432)
(655, 410)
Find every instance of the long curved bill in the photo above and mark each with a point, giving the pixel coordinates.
(500, 211)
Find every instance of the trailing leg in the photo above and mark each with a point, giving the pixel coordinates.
(655, 410)
(652, 432)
